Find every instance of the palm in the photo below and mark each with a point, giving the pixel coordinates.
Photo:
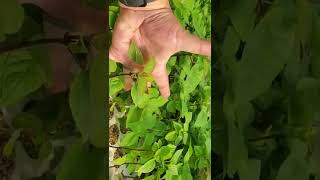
(157, 33)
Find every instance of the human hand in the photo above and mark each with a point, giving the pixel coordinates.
(157, 33)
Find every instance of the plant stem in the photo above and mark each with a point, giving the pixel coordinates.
(124, 74)
(125, 164)
(119, 147)
(68, 38)
(5, 48)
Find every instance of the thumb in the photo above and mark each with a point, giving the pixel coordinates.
(193, 44)
(161, 77)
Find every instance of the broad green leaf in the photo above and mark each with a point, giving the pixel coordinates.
(82, 163)
(8, 148)
(251, 170)
(115, 85)
(139, 97)
(186, 173)
(45, 150)
(171, 107)
(188, 118)
(147, 167)
(188, 4)
(152, 177)
(177, 126)
(153, 92)
(171, 136)
(80, 103)
(147, 121)
(133, 116)
(305, 103)
(194, 77)
(20, 75)
(304, 20)
(88, 101)
(171, 63)
(264, 56)
(295, 167)
(188, 154)
(242, 15)
(135, 54)
(172, 169)
(112, 66)
(11, 17)
(175, 158)
(119, 161)
(130, 139)
(149, 66)
(165, 152)
(237, 153)
(98, 99)
(28, 121)
(202, 119)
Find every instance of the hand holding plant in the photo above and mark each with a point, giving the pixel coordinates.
(157, 33)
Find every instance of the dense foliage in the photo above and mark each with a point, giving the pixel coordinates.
(42, 135)
(266, 90)
(161, 138)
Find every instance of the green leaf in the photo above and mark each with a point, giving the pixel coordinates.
(251, 170)
(188, 118)
(112, 66)
(264, 55)
(88, 101)
(45, 150)
(242, 15)
(202, 119)
(304, 20)
(133, 116)
(98, 99)
(171, 136)
(295, 167)
(147, 167)
(171, 107)
(177, 126)
(135, 54)
(11, 17)
(175, 158)
(186, 173)
(152, 177)
(82, 163)
(119, 161)
(20, 75)
(139, 97)
(165, 152)
(305, 103)
(149, 66)
(189, 153)
(28, 121)
(8, 148)
(129, 139)
(194, 77)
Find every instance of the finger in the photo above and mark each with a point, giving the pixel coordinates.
(161, 77)
(193, 44)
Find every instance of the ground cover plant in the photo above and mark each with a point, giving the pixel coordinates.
(266, 90)
(50, 136)
(154, 138)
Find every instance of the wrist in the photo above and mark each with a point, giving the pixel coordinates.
(155, 4)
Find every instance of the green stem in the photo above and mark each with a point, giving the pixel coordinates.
(119, 147)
